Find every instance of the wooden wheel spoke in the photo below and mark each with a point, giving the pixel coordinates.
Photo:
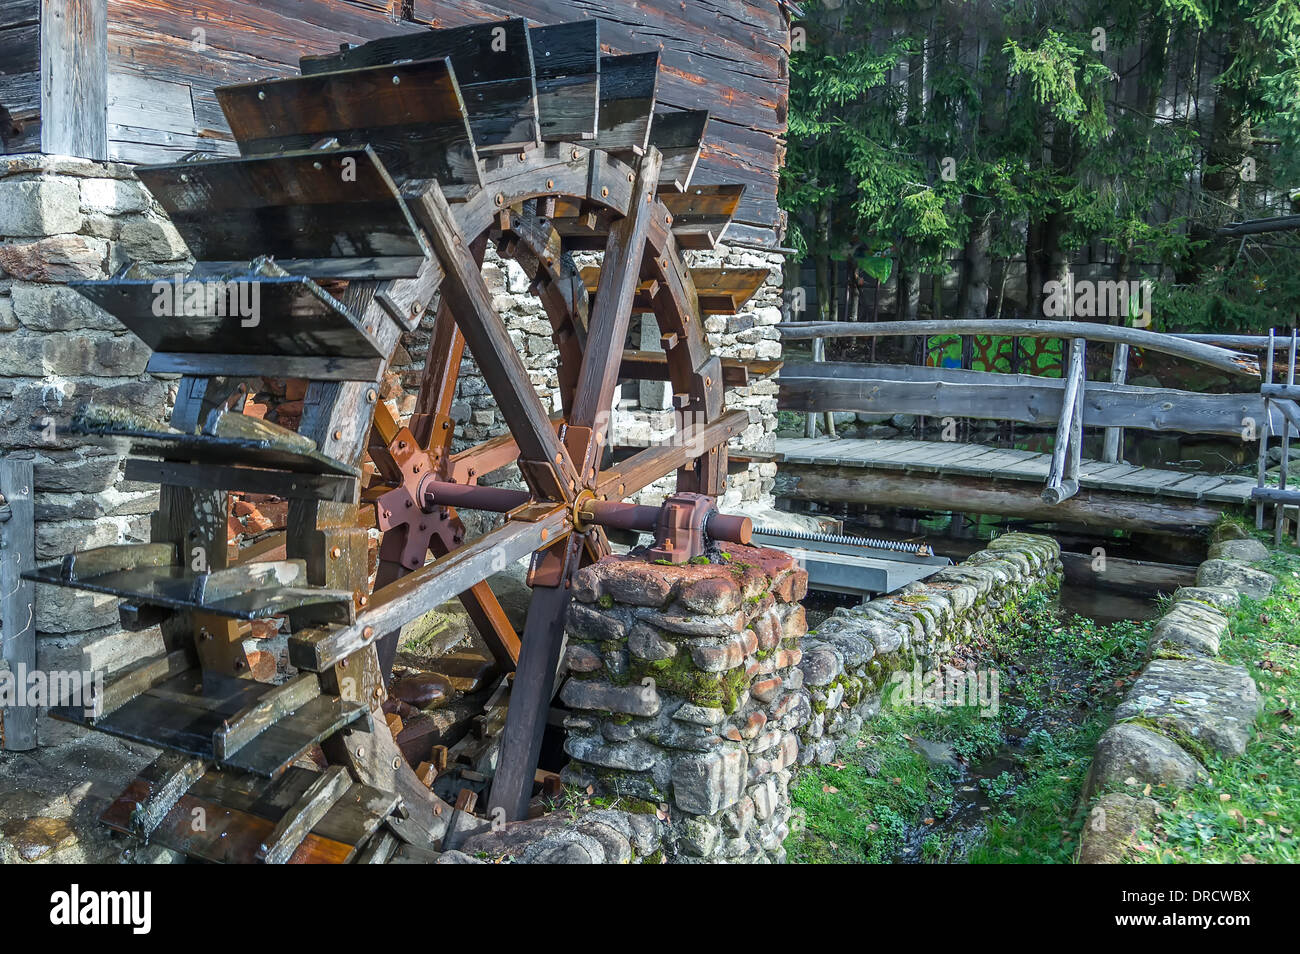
(612, 310)
(481, 459)
(486, 613)
(414, 594)
(530, 696)
(441, 370)
(644, 468)
(545, 464)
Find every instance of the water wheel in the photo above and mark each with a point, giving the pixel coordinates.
(367, 192)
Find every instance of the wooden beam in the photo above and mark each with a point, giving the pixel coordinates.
(534, 686)
(987, 395)
(297, 823)
(1089, 508)
(1230, 362)
(74, 78)
(642, 469)
(241, 728)
(1114, 448)
(288, 484)
(412, 596)
(169, 777)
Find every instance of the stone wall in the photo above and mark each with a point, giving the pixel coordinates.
(1184, 707)
(63, 219)
(695, 695)
(848, 660)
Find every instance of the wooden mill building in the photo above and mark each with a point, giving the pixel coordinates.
(133, 80)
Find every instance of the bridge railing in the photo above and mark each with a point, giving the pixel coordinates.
(1070, 402)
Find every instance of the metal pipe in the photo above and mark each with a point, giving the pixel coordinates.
(615, 515)
(625, 516)
(732, 529)
(442, 493)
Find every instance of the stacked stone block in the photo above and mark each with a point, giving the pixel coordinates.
(686, 693)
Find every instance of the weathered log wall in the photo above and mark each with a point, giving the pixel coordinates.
(165, 58)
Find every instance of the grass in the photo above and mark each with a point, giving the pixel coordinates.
(1250, 810)
(862, 807)
(1058, 681)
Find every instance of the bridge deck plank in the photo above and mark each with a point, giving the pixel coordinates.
(994, 463)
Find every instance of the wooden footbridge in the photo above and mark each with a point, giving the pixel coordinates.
(1061, 486)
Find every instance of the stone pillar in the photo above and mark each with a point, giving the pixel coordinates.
(688, 698)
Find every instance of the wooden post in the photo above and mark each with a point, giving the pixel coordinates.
(1072, 461)
(17, 596)
(1114, 449)
(810, 422)
(1279, 511)
(1063, 475)
(74, 78)
(1263, 433)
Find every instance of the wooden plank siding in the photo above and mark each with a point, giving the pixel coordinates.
(166, 57)
(20, 76)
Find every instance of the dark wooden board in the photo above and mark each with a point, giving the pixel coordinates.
(254, 480)
(679, 136)
(493, 62)
(252, 445)
(267, 366)
(294, 316)
(566, 58)
(173, 587)
(338, 208)
(411, 114)
(181, 713)
(722, 291)
(229, 835)
(283, 742)
(628, 85)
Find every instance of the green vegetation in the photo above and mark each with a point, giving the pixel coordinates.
(1250, 810)
(1015, 799)
(931, 139)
